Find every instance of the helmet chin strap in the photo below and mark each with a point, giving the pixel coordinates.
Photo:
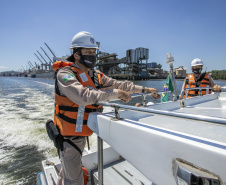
(78, 51)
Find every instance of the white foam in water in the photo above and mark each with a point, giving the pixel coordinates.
(22, 126)
(43, 83)
(24, 112)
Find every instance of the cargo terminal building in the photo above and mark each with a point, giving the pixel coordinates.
(134, 66)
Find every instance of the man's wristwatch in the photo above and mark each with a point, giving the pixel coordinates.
(143, 89)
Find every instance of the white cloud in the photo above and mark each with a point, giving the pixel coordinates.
(3, 67)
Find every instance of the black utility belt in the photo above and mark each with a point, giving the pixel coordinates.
(73, 137)
(75, 109)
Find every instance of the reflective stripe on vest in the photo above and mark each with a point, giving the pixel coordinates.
(80, 117)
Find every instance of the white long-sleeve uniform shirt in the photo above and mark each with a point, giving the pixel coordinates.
(80, 95)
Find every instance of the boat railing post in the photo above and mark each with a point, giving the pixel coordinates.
(100, 161)
(207, 90)
(170, 60)
(182, 94)
(117, 115)
(200, 92)
(144, 102)
(173, 83)
(186, 94)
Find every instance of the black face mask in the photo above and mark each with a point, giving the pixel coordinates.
(88, 60)
(197, 71)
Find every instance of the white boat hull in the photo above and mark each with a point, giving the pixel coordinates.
(154, 149)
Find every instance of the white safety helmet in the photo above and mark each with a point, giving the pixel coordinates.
(197, 62)
(83, 39)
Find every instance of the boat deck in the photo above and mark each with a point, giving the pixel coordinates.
(208, 130)
(213, 108)
(191, 131)
(120, 172)
(117, 172)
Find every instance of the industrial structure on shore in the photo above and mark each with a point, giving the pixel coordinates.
(134, 66)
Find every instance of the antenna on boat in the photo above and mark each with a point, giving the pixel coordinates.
(170, 60)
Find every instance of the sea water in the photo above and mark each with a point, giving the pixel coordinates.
(25, 106)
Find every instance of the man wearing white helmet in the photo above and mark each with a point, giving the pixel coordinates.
(77, 90)
(198, 79)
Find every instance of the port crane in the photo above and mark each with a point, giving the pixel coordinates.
(46, 54)
(54, 56)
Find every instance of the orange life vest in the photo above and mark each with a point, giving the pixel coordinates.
(191, 83)
(66, 111)
(60, 64)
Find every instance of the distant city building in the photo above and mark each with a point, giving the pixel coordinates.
(180, 72)
(63, 58)
(9, 73)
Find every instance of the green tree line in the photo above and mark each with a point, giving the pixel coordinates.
(218, 74)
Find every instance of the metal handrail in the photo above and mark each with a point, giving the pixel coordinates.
(143, 96)
(194, 88)
(163, 112)
(159, 92)
(198, 88)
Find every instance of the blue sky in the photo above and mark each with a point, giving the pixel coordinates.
(186, 28)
